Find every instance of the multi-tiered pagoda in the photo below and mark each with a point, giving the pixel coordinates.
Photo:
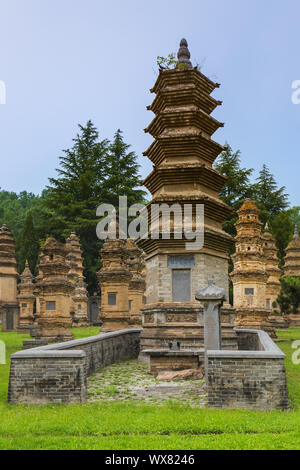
(9, 311)
(182, 155)
(250, 276)
(292, 269)
(292, 257)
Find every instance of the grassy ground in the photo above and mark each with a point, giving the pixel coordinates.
(112, 425)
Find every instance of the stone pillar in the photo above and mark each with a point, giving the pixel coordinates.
(212, 298)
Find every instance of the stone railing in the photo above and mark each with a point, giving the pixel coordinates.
(58, 373)
(253, 377)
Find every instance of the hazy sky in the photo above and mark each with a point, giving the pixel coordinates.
(67, 61)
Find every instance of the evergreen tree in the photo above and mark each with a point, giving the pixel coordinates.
(122, 174)
(289, 297)
(75, 194)
(28, 246)
(282, 229)
(270, 199)
(237, 187)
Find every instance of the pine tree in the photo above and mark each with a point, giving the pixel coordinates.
(122, 174)
(237, 187)
(74, 196)
(28, 246)
(270, 199)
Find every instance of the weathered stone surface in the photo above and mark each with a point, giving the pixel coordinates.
(185, 374)
(54, 294)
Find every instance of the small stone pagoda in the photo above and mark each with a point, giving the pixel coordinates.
(114, 278)
(182, 154)
(9, 311)
(292, 268)
(292, 257)
(80, 298)
(273, 283)
(55, 292)
(250, 276)
(137, 284)
(26, 299)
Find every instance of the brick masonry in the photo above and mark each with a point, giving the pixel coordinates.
(253, 377)
(58, 373)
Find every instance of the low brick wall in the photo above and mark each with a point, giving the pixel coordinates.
(57, 373)
(253, 378)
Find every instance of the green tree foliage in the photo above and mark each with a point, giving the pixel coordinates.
(270, 199)
(282, 229)
(121, 174)
(75, 194)
(289, 297)
(28, 246)
(92, 172)
(237, 187)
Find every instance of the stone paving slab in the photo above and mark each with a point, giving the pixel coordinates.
(130, 380)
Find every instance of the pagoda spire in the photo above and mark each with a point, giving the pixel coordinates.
(184, 53)
(296, 234)
(267, 230)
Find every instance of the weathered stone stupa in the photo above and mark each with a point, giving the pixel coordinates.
(80, 299)
(26, 299)
(182, 155)
(55, 293)
(8, 281)
(137, 284)
(292, 257)
(273, 283)
(249, 276)
(292, 268)
(114, 278)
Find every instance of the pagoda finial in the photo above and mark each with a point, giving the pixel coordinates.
(296, 234)
(267, 230)
(184, 53)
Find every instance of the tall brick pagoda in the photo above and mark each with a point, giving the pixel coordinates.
(182, 154)
(250, 276)
(9, 311)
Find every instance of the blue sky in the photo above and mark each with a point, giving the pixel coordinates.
(67, 61)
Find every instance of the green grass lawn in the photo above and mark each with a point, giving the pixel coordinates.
(116, 426)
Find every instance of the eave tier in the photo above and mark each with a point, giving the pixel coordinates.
(187, 76)
(182, 118)
(181, 146)
(214, 242)
(191, 174)
(183, 96)
(213, 207)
